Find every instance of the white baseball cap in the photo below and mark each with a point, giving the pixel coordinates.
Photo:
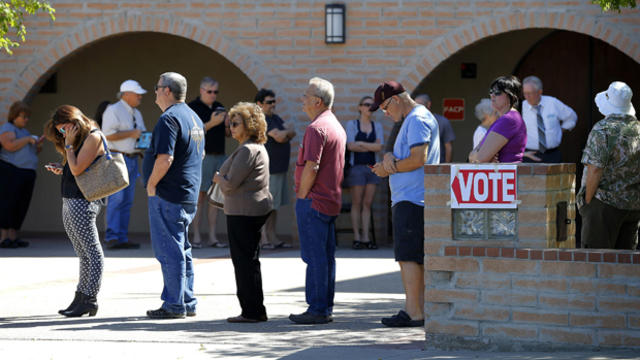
(616, 100)
(132, 86)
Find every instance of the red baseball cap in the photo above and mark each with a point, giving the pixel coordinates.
(386, 90)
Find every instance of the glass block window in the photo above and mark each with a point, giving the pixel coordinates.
(483, 224)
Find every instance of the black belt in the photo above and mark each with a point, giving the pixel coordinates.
(131, 155)
(546, 151)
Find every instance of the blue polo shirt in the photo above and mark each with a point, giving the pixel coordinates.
(418, 128)
(179, 133)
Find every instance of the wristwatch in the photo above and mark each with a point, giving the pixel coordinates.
(68, 147)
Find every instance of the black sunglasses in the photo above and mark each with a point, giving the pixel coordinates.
(211, 92)
(367, 104)
(270, 102)
(159, 87)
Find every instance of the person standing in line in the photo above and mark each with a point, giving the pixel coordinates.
(122, 124)
(444, 126)
(506, 139)
(18, 163)
(546, 118)
(80, 143)
(172, 169)
(487, 116)
(213, 114)
(609, 197)
(364, 140)
(417, 144)
(319, 173)
(244, 181)
(278, 147)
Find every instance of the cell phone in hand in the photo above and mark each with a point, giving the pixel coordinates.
(219, 109)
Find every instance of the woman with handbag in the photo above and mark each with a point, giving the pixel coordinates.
(80, 143)
(244, 181)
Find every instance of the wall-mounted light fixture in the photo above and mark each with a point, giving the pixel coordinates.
(334, 23)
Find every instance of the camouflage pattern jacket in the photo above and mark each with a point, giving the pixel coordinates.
(614, 146)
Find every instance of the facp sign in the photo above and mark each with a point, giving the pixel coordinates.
(484, 186)
(453, 109)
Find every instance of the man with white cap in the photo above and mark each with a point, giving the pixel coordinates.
(609, 197)
(122, 124)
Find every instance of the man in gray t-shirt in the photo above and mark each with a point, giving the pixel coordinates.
(444, 128)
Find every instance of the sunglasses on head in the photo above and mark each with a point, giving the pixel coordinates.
(495, 92)
(270, 102)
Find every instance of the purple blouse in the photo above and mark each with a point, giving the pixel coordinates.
(512, 127)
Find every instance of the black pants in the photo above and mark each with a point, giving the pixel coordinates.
(16, 188)
(552, 156)
(607, 227)
(244, 243)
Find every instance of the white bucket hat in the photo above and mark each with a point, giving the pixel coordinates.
(132, 86)
(616, 100)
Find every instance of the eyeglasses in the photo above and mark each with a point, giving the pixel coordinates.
(159, 87)
(384, 106)
(367, 104)
(270, 102)
(211, 92)
(235, 124)
(495, 92)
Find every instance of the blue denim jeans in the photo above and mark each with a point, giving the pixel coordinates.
(119, 206)
(169, 223)
(318, 249)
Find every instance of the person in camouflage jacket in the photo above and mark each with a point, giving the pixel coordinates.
(609, 197)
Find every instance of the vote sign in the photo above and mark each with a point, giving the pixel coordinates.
(484, 186)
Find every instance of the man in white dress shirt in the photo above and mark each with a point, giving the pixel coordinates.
(122, 124)
(546, 118)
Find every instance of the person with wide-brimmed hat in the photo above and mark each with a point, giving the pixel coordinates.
(609, 197)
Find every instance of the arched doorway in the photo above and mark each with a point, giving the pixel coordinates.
(574, 68)
(94, 72)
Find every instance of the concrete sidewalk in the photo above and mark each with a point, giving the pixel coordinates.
(35, 282)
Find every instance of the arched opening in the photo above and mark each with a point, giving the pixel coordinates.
(573, 67)
(93, 74)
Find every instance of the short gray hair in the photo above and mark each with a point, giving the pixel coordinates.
(324, 90)
(176, 83)
(208, 81)
(483, 108)
(533, 80)
(426, 98)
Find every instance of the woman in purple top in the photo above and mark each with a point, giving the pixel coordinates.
(506, 139)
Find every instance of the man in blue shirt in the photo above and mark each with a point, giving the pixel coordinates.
(172, 170)
(417, 144)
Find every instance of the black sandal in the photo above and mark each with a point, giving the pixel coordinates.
(358, 245)
(371, 245)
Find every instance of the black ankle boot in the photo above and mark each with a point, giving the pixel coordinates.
(86, 304)
(72, 305)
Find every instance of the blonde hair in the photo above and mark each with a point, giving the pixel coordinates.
(67, 114)
(252, 119)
